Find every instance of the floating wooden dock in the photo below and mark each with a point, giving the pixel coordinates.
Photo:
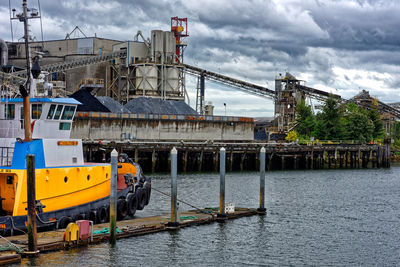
(53, 240)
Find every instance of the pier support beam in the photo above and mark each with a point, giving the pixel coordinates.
(136, 155)
(200, 162)
(31, 197)
(242, 159)
(231, 160)
(153, 161)
(215, 159)
(312, 159)
(185, 160)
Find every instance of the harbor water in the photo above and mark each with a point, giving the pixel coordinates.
(322, 217)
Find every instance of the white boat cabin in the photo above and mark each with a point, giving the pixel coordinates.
(50, 117)
(51, 122)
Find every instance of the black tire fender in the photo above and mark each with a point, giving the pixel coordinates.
(63, 222)
(132, 202)
(102, 214)
(142, 198)
(122, 209)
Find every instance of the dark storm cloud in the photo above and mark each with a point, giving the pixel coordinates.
(327, 42)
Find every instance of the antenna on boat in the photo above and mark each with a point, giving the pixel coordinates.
(26, 90)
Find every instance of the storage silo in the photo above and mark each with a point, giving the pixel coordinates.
(157, 44)
(146, 77)
(169, 47)
(172, 78)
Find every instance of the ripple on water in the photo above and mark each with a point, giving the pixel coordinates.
(336, 217)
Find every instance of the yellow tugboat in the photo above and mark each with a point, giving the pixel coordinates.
(67, 189)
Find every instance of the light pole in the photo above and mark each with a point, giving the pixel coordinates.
(225, 108)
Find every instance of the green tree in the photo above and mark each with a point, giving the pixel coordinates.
(378, 124)
(305, 119)
(329, 125)
(358, 124)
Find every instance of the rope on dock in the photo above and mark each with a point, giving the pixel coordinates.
(184, 202)
(13, 247)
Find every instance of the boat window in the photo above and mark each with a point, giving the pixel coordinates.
(10, 111)
(36, 111)
(22, 113)
(51, 112)
(58, 112)
(68, 113)
(65, 126)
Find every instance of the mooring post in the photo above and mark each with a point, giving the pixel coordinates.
(174, 223)
(31, 197)
(113, 197)
(221, 215)
(262, 209)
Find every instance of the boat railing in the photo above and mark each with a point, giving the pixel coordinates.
(6, 154)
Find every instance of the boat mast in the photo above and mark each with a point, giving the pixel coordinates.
(26, 95)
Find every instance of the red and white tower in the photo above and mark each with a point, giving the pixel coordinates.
(179, 28)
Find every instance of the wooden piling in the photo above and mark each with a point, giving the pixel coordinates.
(200, 162)
(242, 159)
(216, 162)
(113, 197)
(230, 160)
(312, 158)
(153, 161)
(185, 160)
(31, 197)
(222, 160)
(262, 208)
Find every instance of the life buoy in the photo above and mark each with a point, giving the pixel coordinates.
(132, 202)
(63, 222)
(122, 209)
(102, 214)
(141, 197)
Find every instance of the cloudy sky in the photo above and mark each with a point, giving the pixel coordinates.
(339, 46)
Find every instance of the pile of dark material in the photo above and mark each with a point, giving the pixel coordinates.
(149, 105)
(143, 105)
(88, 101)
(112, 104)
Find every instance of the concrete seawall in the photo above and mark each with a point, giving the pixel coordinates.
(117, 127)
